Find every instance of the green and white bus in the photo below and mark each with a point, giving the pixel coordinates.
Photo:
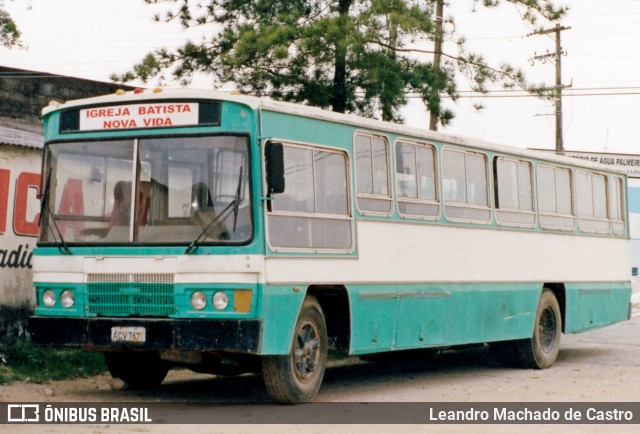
(230, 234)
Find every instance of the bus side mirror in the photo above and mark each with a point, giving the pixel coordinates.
(274, 155)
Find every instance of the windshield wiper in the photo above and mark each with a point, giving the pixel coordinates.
(45, 209)
(236, 200)
(217, 219)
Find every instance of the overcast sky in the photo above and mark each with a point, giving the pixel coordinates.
(94, 38)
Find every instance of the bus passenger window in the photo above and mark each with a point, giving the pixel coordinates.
(372, 174)
(415, 180)
(617, 206)
(465, 184)
(555, 201)
(591, 193)
(477, 179)
(514, 192)
(313, 212)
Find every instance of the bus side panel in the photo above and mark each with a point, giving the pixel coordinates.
(280, 308)
(299, 129)
(373, 317)
(433, 315)
(457, 314)
(594, 305)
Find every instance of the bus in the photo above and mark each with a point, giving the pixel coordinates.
(229, 234)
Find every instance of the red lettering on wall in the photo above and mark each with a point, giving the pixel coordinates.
(21, 226)
(4, 198)
(72, 203)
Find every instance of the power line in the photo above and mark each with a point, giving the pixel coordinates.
(571, 95)
(498, 93)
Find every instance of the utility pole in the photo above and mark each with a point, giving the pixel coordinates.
(559, 86)
(437, 54)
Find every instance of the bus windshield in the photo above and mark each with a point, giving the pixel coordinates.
(186, 189)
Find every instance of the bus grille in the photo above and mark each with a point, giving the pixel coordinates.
(130, 294)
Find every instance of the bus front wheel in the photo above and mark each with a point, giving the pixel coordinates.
(541, 350)
(296, 377)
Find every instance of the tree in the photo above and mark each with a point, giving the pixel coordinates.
(361, 56)
(9, 33)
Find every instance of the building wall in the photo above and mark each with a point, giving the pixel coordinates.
(19, 209)
(24, 93)
(19, 214)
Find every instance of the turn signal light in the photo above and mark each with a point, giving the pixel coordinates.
(242, 300)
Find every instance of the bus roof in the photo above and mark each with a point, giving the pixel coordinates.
(260, 103)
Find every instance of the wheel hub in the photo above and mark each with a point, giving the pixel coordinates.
(307, 352)
(547, 329)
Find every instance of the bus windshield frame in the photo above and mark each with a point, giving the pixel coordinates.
(188, 188)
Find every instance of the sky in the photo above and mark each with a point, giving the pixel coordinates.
(94, 38)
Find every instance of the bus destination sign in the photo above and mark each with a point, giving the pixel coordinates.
(147, 115)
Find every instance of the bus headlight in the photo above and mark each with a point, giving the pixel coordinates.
(67, 298)
(220, 300)
(49, 298)
(198, 300)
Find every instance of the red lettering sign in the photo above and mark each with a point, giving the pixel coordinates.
(110, 112)
(161, 114)
(125, 123)
(4, 198)
(21, 226)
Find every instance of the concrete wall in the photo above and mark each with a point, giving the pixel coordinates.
(24, 93)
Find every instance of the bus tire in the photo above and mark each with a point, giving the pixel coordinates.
(541, 350)
(138, 369)
(296, 377)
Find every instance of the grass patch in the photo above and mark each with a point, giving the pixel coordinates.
(24, 361)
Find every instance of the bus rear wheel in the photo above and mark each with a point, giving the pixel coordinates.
(541, 350)
(296, 377)
(138, 369)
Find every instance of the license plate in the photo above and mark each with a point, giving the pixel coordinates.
(128, 334)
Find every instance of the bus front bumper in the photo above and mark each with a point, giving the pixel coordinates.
(147, 333)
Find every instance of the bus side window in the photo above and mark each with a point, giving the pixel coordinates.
(592, 202)
(555, 197)
(513, 192)
(617, 205)
(314, 212)
(415, 180)
(372, 174)
(465, 184)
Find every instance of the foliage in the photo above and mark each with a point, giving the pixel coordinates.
(9, 32)
(360, 56)
(24, 361)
